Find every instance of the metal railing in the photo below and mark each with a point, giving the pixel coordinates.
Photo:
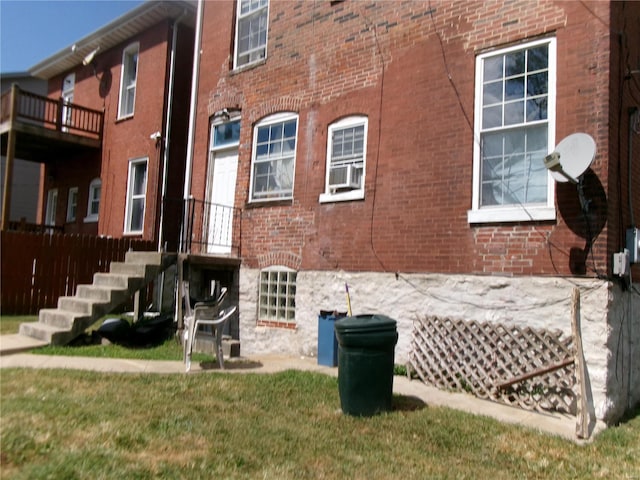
(207, 228)
(33, 109)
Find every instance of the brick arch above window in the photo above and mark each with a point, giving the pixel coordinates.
(275, 105)
(220, 101)
(285, 259)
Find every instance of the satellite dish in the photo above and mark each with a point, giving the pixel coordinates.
(571, 158)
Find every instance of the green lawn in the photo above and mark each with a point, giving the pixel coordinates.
(71, 424)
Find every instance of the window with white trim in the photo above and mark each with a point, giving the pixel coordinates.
(93, 204)
(514, 131)
(346, 158)
(251, 32)
(274, 157)
(128, 80)
(277, 295)
(136, 196)
(72, 204)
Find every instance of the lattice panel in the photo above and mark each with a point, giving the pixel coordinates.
(484, 359)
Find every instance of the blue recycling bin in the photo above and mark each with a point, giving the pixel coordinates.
(327, 341)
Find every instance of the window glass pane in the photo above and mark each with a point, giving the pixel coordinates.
(226, 134)
(538, 58)
(514, 88)
(537, 84)
(537, 109)
(492, 117)
(137, 215)
(94, 195)
(492, 93)
(276, 132)
(493, 68)
(140, 179)
(492, 167)
(263, 134)
(489, 192)
(513, 113)
(514, 63)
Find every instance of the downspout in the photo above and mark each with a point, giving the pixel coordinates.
(166, 139)
(192, 122)
(167, 127)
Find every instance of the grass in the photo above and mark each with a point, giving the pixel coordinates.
(70, 424)
(11, 324)
(62, 424)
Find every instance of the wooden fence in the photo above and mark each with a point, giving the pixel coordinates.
(39, 268)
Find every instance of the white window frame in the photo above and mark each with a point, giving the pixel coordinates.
(253, 9)
(272, 120)
(348, 193)
(95, 191)
(72, 204)
(127, 83)
(275, 284)
(52, 207)
(517, 212)
(133, 197)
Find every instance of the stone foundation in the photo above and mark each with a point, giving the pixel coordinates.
(610, 317)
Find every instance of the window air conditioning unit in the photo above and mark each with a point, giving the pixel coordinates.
(344, 176)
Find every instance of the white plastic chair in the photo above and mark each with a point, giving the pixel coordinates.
(204, 313)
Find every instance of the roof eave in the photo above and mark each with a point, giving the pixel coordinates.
(111, 34)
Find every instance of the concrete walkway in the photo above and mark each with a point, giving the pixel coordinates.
(14, 348)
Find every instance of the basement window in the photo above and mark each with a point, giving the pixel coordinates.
(277, 297)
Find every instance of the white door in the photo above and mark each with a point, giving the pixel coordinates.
(222, 191)
(68, 86)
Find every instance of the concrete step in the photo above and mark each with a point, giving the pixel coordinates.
(57, 318)
(145, 258)
(102, 293)
(91, 302)
(130, 269)
(117, 281)
(82, 306)
(47, 333)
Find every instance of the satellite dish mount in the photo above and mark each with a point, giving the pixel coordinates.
(570, 160)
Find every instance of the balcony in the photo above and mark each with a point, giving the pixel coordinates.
(42, 125)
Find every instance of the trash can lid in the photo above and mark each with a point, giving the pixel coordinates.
(365, 324)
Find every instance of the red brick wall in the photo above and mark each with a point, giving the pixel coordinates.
(409, 67)
(124, 139)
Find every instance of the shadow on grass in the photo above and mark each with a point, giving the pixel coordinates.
(239, 364)
(404, 403)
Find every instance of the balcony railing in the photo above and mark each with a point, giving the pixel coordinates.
(21, 106)
(208, 228)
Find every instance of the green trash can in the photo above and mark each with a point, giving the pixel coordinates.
(366, 345)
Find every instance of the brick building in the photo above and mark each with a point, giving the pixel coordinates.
(135, 73)
(398, 147)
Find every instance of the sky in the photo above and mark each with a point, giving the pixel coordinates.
(33, 30)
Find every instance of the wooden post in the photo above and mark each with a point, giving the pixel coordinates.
(11, 153)
(582, 423)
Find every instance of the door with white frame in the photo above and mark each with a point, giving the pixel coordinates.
(221, 186)
(68, 85)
